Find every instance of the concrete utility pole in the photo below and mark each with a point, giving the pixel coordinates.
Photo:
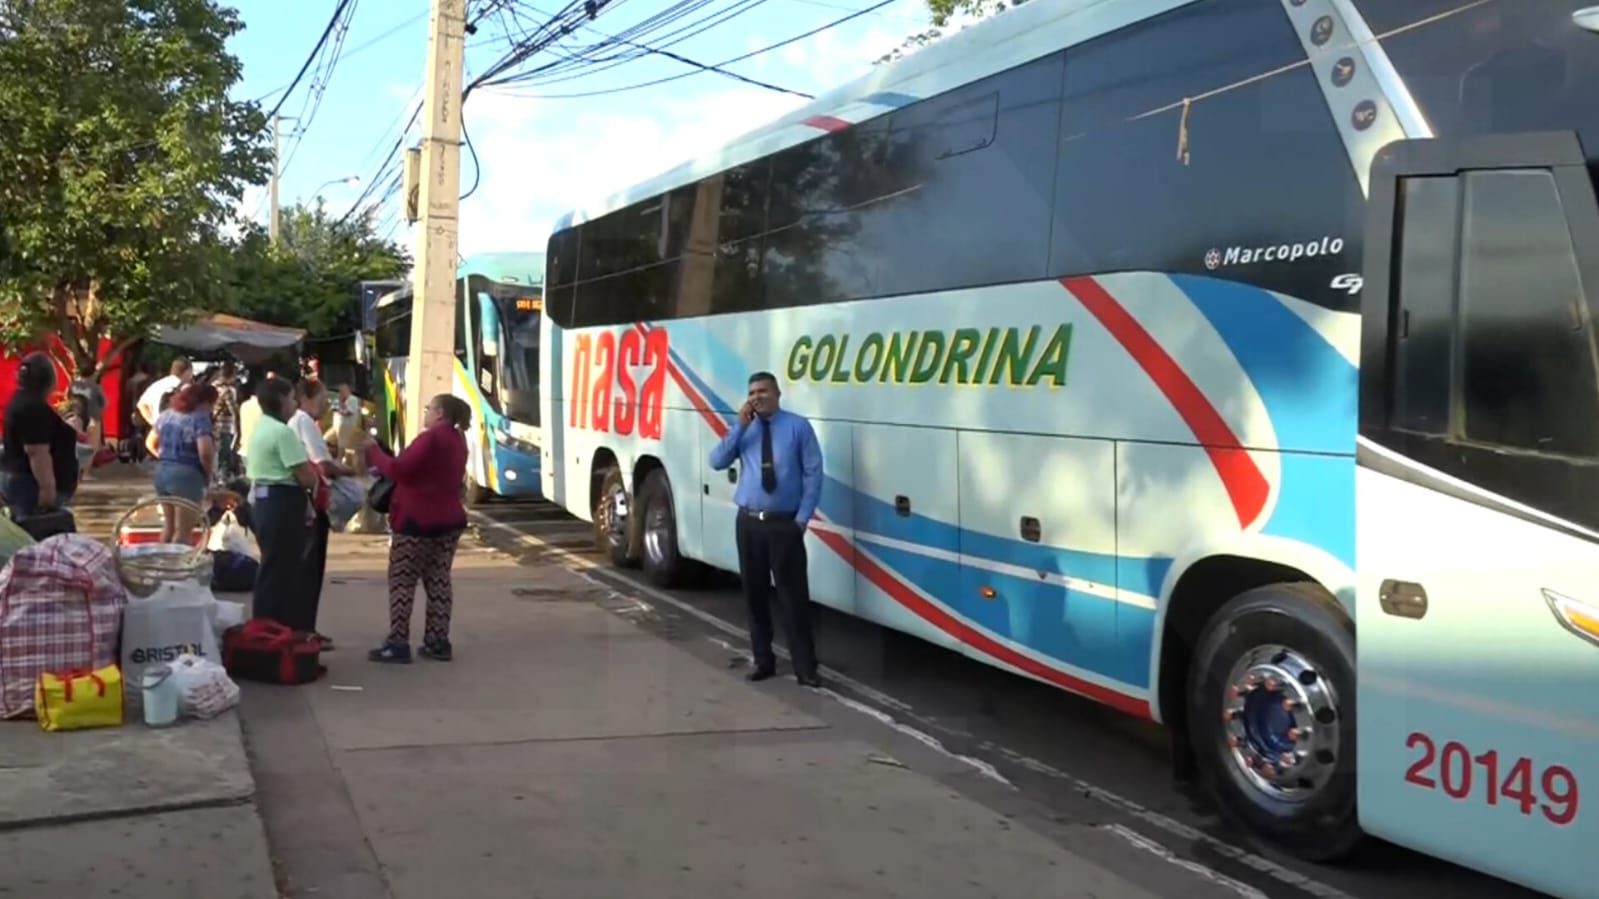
(272, 190)
(429, 370)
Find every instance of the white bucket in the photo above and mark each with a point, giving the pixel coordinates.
(160, 690)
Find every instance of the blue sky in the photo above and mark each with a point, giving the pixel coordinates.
(541, 155)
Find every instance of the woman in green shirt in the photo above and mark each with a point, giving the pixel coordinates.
(280, 476)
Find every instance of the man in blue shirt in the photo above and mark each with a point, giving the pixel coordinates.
(779, 486)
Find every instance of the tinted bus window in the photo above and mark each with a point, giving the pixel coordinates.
(824, 196)
(1494, 68)
(1425, 281)
(1526, 343)
(977, 204)
(1252, 184)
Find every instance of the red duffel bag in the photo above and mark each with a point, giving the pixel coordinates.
(263, 650)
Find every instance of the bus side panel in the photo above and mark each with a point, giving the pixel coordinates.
(552, 411)
(479, 454)
(907, 546)
(830, 541)
(686, 467)
(1479, 719)
(1038, 558)
(716, 509)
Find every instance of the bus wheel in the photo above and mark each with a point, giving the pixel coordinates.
(1271, 704)
(662, 562)
(610, 518)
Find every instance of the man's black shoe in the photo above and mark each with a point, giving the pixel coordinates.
(808, 680)
(760, 674)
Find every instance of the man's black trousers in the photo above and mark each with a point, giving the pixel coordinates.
(773, 550)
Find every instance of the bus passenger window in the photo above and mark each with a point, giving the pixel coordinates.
(1526, 342)
(1493, 68)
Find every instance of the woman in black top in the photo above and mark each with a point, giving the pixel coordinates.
(40, 457)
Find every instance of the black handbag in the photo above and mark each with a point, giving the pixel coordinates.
(43, 525)
(380, 495)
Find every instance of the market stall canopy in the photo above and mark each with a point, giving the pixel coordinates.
(249, 341)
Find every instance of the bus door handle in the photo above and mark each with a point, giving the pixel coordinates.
(1403, 599)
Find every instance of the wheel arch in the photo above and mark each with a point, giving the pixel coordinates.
(642, 467)
(1201, 580)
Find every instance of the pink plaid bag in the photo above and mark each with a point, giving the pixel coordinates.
(61, 607)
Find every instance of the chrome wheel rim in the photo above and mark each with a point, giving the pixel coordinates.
(613, 517)
(1280, 724)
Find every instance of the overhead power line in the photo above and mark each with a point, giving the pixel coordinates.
(393, 154)
(338, 12)
(721, 71)
(513, 79)
(588, 61)
(321, 78)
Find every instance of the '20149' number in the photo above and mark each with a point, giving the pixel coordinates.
(1556, 785)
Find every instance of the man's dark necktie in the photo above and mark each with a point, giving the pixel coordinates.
(768, 470)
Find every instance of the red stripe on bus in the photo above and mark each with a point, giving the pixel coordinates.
(1246, 485)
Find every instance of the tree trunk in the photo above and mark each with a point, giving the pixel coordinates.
(78, 329)
(117, 350)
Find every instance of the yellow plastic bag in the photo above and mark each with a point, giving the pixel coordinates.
(75, 700)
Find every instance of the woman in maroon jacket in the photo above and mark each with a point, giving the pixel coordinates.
(426, 519)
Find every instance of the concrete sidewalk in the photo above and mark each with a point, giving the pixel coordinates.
(130, 811)
(569, 752)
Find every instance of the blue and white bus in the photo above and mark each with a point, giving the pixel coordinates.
(1166, 351)
(497, 326)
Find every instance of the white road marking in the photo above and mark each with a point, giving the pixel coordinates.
(591, 570)
(928, 740)
(1156, 849)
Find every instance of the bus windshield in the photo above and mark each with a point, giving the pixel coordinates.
(506, 324)
(515, 336)
(391, 337)
(522, 349)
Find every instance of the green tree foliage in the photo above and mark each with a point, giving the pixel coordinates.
(309, 279)
(121, 157)
(943, 13)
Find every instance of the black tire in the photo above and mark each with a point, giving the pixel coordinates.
(616, 546)
(1321, 825)
(662, 562)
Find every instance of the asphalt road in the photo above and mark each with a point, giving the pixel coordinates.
(1073, 759)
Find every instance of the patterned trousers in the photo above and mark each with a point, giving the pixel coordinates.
(425, 559)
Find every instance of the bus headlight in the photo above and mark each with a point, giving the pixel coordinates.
(504, 439)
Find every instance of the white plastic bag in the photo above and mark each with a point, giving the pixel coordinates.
(229, 614)
(346, 498)
(204, 688)
(227, 535)
(178, 618)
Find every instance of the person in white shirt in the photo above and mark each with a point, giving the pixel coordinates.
(313, 396)
(249, 416)
(149, 404)
(347, 423)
